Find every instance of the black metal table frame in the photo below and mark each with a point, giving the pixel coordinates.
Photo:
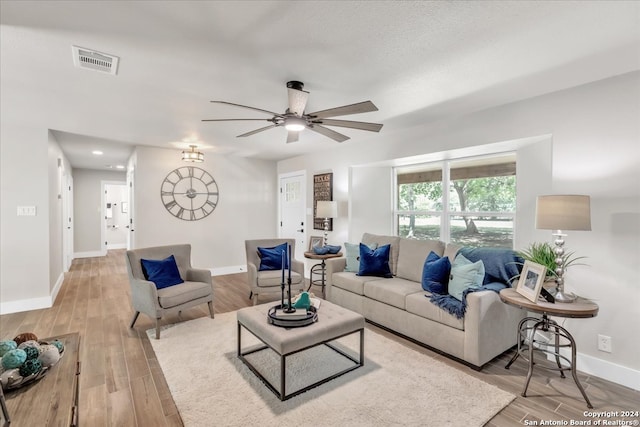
(528, 333)
(281, 394)
(322, 266)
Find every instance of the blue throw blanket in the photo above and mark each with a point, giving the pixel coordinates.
(501, 266)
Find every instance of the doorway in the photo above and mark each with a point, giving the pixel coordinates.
(293, 203)
(115, 215)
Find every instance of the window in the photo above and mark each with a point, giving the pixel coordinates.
(469, 202)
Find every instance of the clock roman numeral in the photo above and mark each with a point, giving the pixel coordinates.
(170, 205)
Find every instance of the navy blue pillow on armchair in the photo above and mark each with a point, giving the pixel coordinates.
(375, 262)
(435, 273)
(271, 258)
(163, 273)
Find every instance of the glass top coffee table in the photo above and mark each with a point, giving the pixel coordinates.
(333, 322)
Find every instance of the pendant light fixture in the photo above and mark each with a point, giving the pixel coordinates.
(193, 155)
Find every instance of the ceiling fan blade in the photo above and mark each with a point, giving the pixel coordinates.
(292, 136)
(297, 101)
(345, 110)
(329, 133)
(253, 132)
(371, 127)
(235, 120)
(246, 106)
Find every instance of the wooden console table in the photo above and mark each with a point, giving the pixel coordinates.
(52, 400)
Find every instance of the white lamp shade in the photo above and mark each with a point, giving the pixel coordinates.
(326, 209)
(563, 212)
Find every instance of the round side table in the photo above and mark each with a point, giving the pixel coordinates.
(319, 270)
(528, 327)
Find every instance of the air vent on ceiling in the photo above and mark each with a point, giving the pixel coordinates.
(92, 60)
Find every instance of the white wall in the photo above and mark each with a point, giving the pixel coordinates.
(595, 131)
(87, 209)
(246, 209)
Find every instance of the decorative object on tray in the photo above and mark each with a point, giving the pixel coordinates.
(531, 280)
(286, 314)
(25, 359)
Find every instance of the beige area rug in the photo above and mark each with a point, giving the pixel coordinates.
(397, 386)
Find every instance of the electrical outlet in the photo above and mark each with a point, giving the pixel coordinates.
(604, 343)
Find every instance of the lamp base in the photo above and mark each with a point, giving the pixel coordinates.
(564, 297)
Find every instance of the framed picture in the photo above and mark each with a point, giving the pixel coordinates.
(322, 190)
(315, 241)
(531, 280)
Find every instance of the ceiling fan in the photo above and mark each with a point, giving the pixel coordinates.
(296, 120)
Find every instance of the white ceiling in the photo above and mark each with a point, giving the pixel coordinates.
(417, 61)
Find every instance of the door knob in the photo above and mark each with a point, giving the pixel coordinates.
(301, 230)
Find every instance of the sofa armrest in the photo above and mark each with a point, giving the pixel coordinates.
(333, 265)
(490, 327)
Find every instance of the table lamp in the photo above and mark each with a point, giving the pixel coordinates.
(558, 213)
(326, 209)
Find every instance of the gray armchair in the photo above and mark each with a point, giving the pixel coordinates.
(155, 303)
(269, 281)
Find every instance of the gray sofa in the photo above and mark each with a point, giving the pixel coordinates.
(399, 303)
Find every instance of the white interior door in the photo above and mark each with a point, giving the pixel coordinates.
(130, 210)
(67, 222)
(293, 210)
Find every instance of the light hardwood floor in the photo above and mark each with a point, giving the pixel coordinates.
(121, 383)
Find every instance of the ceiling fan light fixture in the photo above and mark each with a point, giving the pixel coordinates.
(193, 155)
(295, 124)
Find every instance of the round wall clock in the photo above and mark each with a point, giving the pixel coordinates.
(189, 193)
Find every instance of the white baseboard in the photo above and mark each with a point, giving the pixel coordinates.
(609, 371)
(25, 305)
(56, 288)
(221, 271)
(89, 254)
(117, 246)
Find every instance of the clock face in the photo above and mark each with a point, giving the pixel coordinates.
(189, 193)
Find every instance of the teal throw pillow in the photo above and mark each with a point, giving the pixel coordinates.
(271, 258)
(163, 273)
(352, 254)
(465, 275)
(375, 262)
(435, 273)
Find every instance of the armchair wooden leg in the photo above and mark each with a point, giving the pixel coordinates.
(250, 294)
(210, 304)
(157, 329)
(135, 317)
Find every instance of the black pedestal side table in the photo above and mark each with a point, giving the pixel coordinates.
(319, 270)
(528, 327)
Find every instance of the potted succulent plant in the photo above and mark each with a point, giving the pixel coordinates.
(544, 254)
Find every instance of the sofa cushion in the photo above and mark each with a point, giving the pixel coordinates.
(411, 256)
(435, 274)
(163, 273)
(187, 291)
(272, 258)
(394, 241)
(374, 262)
(392, 291)
(465, 275)
(270, 278)
(352, 254)
(351, 282)
(419, 305)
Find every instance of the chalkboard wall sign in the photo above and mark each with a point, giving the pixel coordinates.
(322, 190)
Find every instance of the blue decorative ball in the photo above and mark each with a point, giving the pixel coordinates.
(14, 358)
(59, 345)
(7, 346)
(30, 367)
(32, 352)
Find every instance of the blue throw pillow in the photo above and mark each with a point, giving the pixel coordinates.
(435, 273)
(352, 254)
(465, 275)
(163, 273)
(374, 262)
(271, 258)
